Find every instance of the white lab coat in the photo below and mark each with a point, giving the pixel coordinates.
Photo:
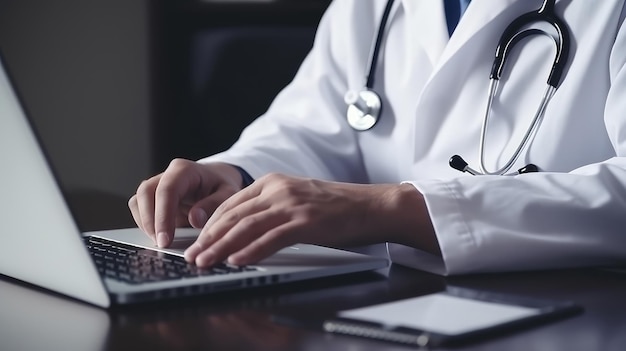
(434, 92)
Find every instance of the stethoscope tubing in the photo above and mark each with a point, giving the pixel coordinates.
(514, 33)
(550, 90)
(376, 46)
(364, 107)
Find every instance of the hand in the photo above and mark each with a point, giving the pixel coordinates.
(185, 194)
(277, 211)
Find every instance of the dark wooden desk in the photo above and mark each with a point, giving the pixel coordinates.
(34, 320)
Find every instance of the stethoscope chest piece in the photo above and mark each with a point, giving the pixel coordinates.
(363, 109)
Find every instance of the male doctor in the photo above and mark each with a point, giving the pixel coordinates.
(320, 181)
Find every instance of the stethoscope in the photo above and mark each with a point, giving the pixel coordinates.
(364, 107)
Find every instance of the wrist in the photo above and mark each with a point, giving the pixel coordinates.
(406, 218)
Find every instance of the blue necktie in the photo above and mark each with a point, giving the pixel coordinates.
(454, 11)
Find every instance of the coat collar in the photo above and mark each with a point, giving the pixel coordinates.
(433, 34)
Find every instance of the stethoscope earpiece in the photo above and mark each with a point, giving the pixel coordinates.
(457, 162)
(529, 168)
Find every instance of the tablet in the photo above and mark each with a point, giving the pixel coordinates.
(449, 317)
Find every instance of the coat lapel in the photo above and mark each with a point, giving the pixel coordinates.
(428, 20)
(479, 15)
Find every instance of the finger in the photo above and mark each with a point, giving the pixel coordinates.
(225, 214)
(134, 211)
(247, 230)
(266, 245)
(237, 199)
(176, 182)
(182, 215)
(181, 219)
(199, 213)
(145, 205)
(222, 223)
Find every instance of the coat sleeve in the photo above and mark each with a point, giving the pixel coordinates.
(534, 221)
(304, 132)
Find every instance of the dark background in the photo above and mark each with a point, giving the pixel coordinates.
(118, 88)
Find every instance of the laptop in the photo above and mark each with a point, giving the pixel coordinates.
(41, 243)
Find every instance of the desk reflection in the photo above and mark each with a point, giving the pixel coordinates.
(33, 319)
(244, 320)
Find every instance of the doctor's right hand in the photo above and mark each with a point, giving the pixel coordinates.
(186, 194)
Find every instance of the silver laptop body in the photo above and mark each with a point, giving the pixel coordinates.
(41, 243)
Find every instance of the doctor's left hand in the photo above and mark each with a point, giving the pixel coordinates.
(277, 211)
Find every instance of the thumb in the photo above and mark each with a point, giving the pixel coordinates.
(202, 210)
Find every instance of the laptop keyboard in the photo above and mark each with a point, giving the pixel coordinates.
(135, 265)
